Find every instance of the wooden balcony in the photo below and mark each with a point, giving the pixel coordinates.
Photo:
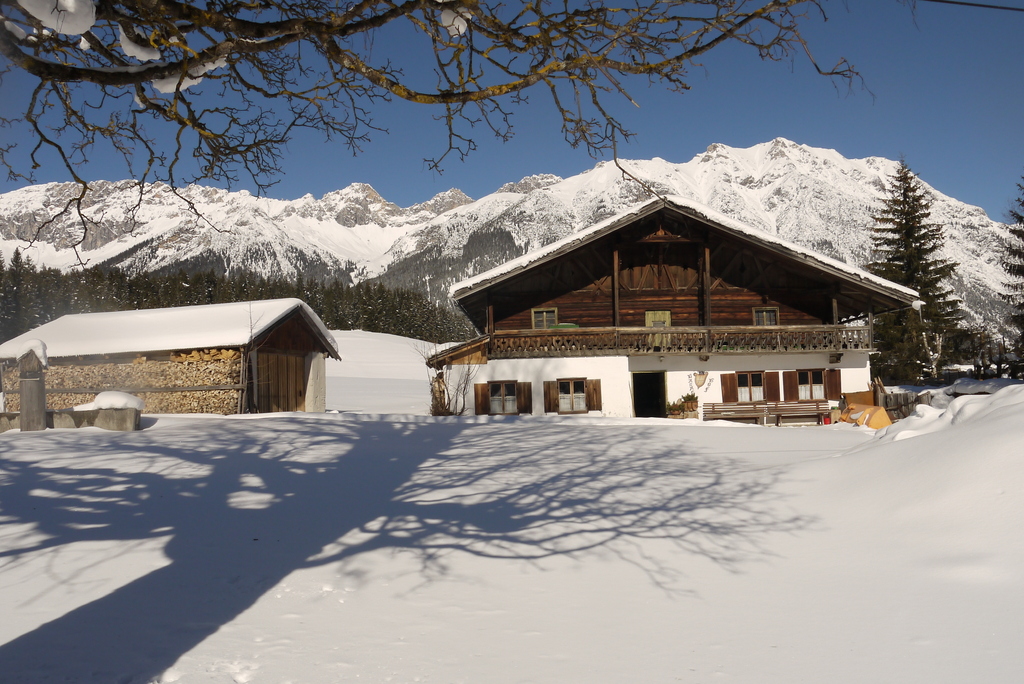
(518, 344)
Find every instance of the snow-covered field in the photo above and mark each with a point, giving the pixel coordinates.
(363, 546)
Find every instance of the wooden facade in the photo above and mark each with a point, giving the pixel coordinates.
(668, 261)
(668, 281)
(650, 300)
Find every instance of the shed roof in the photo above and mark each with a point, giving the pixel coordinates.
(177, 328)
(697, 211)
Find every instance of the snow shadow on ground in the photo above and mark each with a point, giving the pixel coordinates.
(247, 502)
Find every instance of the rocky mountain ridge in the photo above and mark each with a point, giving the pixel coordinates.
(810, 196)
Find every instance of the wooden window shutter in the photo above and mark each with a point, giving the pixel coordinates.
(833, 384)
(791, 386)
(550, 396)
(771, 387)
(482, 398)
(524, 397)
(593, 390)
(730, 391)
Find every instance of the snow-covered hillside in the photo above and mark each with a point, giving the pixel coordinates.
(814, 197)
(398, 548)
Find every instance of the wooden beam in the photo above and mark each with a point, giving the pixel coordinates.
(705, 286)
(490, 317)
(615, 286)
(835, 304)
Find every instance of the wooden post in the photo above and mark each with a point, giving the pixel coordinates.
(615, 287)
(871, 325)
(835, 304)
(490, 317)
(33, 393)
(705, 286)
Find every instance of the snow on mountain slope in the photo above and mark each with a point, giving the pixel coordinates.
(813, 197)
(200, 227)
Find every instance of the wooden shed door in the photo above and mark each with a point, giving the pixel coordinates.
(282, 383)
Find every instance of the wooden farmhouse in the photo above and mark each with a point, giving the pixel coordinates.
(247, 357)
(667, 299)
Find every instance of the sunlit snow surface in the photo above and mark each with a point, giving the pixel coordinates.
(401, 548)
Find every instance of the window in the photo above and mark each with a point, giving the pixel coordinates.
(750, 386)
(658, 319)
(753, 386)
(572, 395)
(811, 384)
(503, 398)
(766, 316)
(544, 318)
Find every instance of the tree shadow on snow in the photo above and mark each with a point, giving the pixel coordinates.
(247, 502)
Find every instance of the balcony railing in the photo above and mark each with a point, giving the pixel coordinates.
(513, 344)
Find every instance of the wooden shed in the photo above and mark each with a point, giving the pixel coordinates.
(245, 357)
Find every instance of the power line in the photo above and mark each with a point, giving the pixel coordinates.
(977, 4)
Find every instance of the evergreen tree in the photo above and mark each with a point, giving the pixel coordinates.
(1013, 264)
(906, 250)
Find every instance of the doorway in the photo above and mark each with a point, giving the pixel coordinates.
(649, 394)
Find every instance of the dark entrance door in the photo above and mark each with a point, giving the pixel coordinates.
(649, 394)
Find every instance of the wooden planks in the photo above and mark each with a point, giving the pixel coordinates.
(281, 382)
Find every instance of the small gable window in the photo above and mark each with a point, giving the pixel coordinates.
(766, 316)
(544, 318)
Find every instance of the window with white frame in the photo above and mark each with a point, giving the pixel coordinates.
(750, 386)
(811, 384)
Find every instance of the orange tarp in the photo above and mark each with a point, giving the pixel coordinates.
(862, 414)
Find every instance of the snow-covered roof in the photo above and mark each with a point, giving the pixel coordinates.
(697, 211)
(178, 328)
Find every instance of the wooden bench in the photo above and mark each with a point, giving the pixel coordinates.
(743, 411)
(763, 411)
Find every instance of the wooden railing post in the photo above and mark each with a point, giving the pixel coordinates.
(33, 393)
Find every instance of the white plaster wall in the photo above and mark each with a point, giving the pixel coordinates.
(680, 374)
(680, 370)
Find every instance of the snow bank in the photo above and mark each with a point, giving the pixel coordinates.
(975, 408)
(972, 386)
(113, 400)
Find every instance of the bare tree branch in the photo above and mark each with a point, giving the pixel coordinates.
(234, 80)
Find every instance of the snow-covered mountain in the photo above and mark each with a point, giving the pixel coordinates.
(814, 197)
(200, 227)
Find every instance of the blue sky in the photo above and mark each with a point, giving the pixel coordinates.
(942, 87)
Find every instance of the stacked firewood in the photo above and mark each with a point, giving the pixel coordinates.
(198, 370)
(206, 355)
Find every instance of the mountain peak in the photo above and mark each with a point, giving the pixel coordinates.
(530, 183)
